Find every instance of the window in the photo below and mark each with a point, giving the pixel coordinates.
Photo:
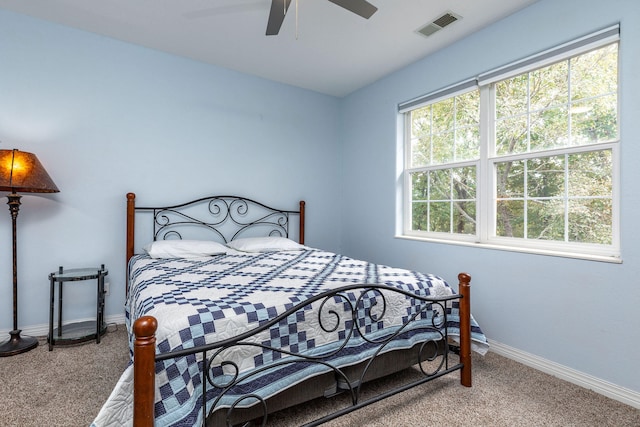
(522, 157)
(444, 147)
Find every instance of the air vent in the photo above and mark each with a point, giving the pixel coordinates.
(438, 24)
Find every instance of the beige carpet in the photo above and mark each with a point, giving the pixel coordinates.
(67, 387)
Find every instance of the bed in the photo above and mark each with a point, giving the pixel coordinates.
(232, 319)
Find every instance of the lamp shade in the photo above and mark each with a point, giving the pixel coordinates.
(22, 172)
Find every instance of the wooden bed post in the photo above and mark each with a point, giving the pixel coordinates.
(301, 240)
(131, 210)
(131, 215)
(144, 372)
(464, 289)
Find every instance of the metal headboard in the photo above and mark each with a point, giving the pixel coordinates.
(222, 218)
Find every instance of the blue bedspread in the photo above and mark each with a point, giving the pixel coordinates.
(205, 300)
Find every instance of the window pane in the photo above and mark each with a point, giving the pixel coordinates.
(589, 198)
(443, 114)
(572, 102)
(464, 217)
(421, 122)
(464, 204)
(590, 174)
(468, 109)
(512, 135)
(511, 97)
(440, 217)
(446, 131)
(510, 179)
(545, 220)
(468, 143)
(440, 182)
(419, 216)
(464, 183)
(419, 186)
(545, 177)
(421, 151)
(590, 221)
(443, 147)
(468, 126)
(444, 200)
(594, 120)
(510, 218)
(421, 137)
(549, 86)
(549, 129)
(595, 73)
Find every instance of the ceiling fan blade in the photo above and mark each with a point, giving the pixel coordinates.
(359, 7)
(276, 16)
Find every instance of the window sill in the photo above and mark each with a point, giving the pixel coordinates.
(533, 251)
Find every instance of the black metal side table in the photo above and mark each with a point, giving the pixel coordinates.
(77, 332)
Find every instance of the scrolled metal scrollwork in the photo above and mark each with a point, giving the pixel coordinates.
(172, 234)
(367, 311)
(341, 310)
(223, 365)
(324, 313)
(239, 206)
(161, 218)
(438, 320)
(226, 217)
(259, 399)
(428, 358)
(216, 209)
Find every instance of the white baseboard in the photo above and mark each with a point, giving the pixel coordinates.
(613, 391)
(42, 330)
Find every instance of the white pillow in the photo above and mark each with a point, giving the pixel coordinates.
(265, 244)
(184, 249)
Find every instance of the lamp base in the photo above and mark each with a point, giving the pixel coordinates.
(17, 344)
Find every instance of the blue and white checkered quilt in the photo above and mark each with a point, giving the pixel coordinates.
(206, 300)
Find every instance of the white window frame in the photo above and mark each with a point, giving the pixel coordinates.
(485, 166)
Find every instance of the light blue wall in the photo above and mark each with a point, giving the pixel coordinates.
(106, 118)
(581, 314)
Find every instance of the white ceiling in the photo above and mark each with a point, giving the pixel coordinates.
(326, 49)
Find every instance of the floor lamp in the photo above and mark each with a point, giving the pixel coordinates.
(20, 171)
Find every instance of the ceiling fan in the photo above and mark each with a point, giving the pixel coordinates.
(279, 10)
